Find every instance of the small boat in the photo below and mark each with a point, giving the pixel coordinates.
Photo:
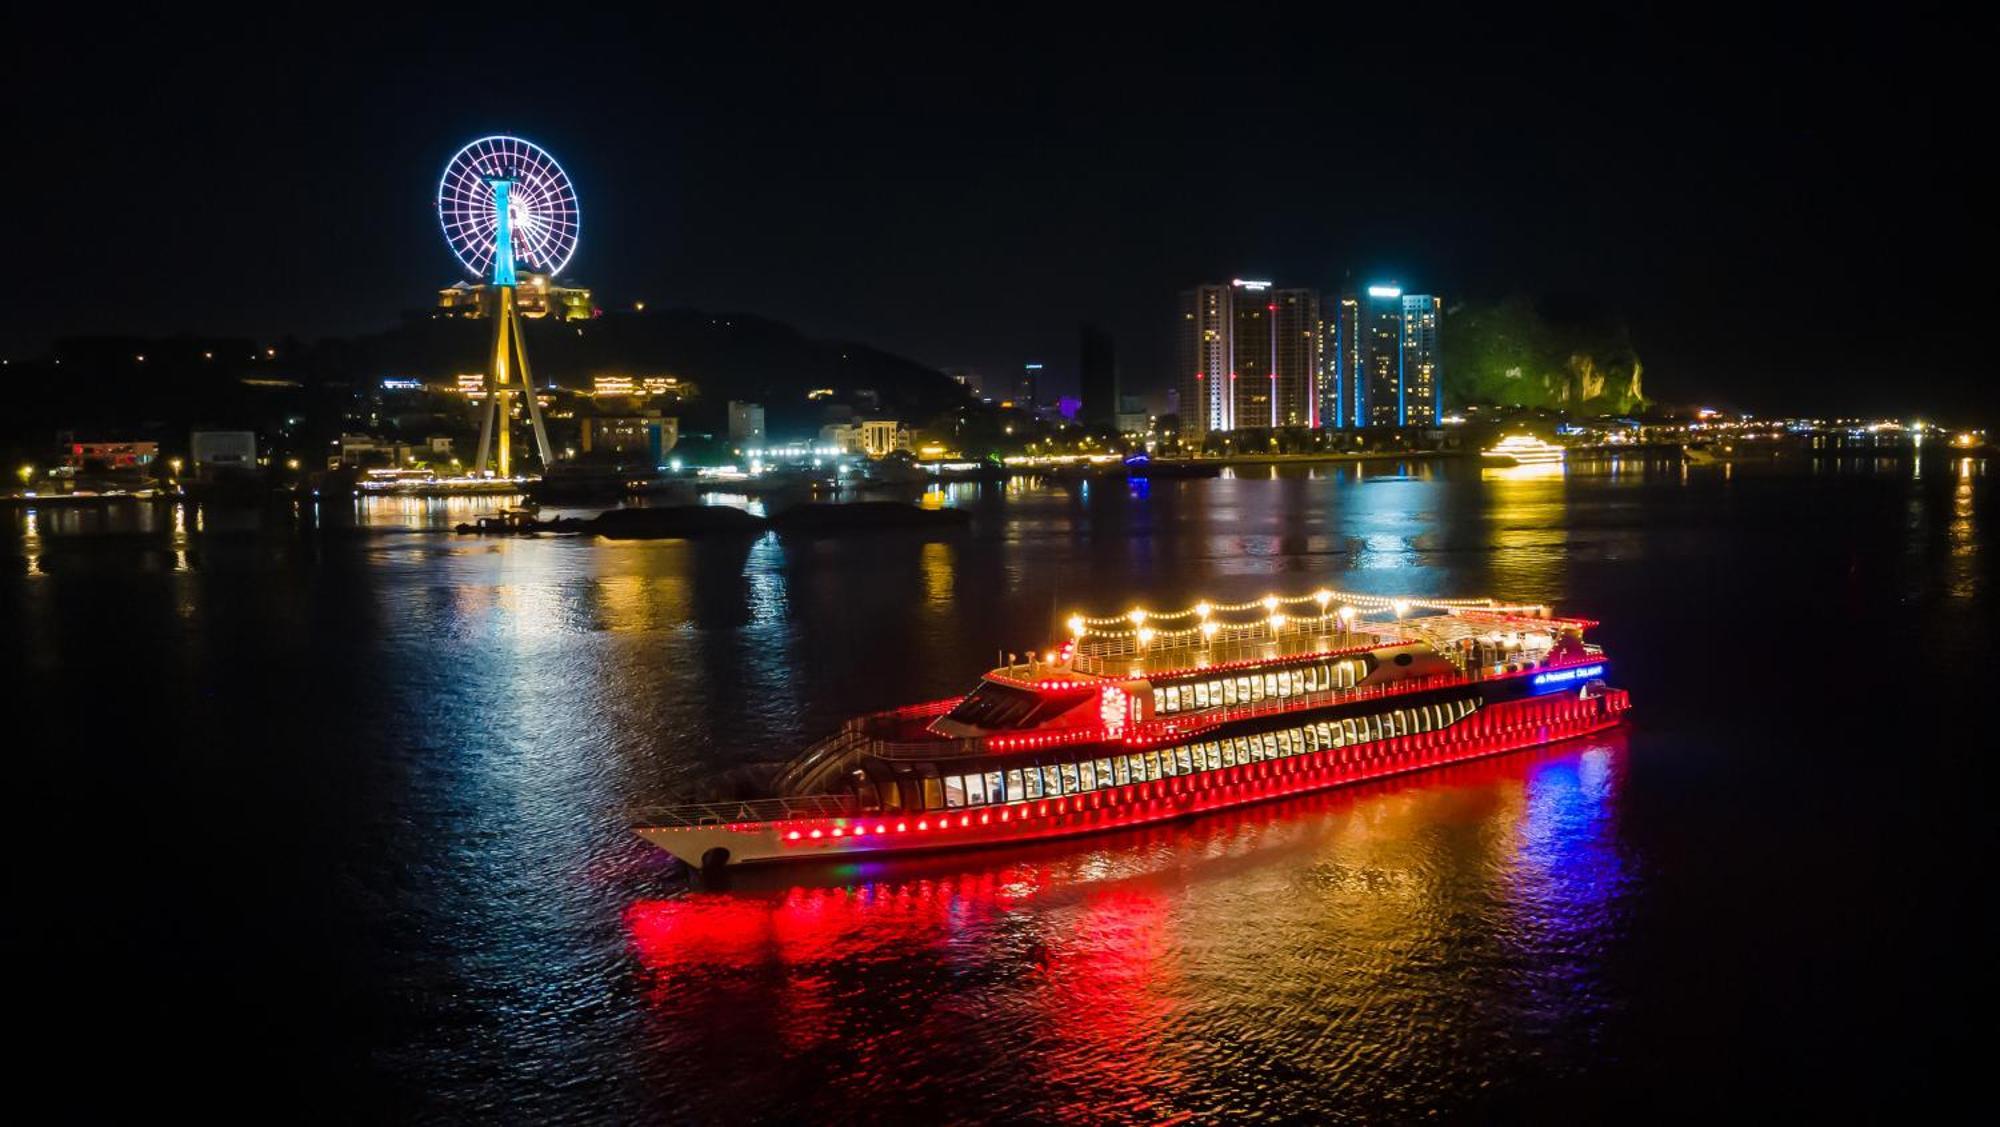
(1523, 450)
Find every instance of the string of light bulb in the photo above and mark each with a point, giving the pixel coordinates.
(1136, 623)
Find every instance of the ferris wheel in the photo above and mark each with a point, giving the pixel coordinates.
(504, 201)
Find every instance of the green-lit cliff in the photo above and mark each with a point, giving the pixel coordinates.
(1511, 353)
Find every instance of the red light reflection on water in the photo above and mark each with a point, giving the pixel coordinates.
(1065, 965)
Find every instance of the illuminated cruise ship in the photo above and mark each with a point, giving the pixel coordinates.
(1523, 450)
(1147, 716)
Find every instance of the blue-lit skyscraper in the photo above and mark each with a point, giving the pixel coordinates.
(1379, 388)
(1421, 402)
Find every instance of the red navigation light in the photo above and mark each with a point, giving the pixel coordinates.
(816, 835)
(901, 826)
(922, 825)
(793, 836)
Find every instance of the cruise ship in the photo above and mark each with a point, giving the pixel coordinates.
(1145, 716)
(1523, 450)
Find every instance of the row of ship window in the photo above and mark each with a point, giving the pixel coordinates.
(1253, 687)
(1027, 784)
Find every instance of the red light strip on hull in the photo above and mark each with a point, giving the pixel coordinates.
(1492, 730)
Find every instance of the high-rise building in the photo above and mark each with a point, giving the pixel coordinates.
(1380, 386)
(1423, 389)
(1029, 388)
(1249, 356)
(1397, 382)
(1340, 361)
(1097, 372)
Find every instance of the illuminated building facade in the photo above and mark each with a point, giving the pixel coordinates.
(1249, 355)
(110, 455)
(648, 435)
(1380, 388)
(1422, 390)
(1399, 383)
(535, 296)
(1340, 361)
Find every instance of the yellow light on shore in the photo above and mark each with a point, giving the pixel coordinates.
(1138, 617)
(1076, 624)
(1322, 597)
(1203, 610)
(1270, 602)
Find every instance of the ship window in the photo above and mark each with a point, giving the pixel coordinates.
(1213, 754)
(1349, 734)
(1121, 770)
(1201, 694)
(1270, 746)
(1229, 753)
(954, 791)
(975, 790)
(1014, 791)
(892, 795)
(1167, 764)
(1187, 764)
(1086, 775)
(1104, 773)
(1138, 761)
(1068, 775)
(1002, 706)
(994, 791)
(1152, 766)
(933, 795)
(1052, 781)
(1033, 777)
(1160, 701)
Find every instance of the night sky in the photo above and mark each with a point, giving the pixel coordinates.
(1783, 212)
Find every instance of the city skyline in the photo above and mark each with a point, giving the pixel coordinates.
(977, 227)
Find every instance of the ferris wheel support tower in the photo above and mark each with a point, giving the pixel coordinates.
(509, 352)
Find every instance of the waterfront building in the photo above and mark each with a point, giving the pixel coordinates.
(1340, 361)
(651, 435)
(1421, 403)
(746, 421)
(1097, 370)
(1249, 355)
(879, 438)
(110, 455)
(222, 451)
(1029, 387)
(1396, 357)
(1380, 386)
(535, 295)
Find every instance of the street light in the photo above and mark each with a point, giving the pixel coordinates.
(174, 464)
(27, 474)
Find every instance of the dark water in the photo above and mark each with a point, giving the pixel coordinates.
(329, 824)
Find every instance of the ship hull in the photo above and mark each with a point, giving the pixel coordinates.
(1495, 729)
